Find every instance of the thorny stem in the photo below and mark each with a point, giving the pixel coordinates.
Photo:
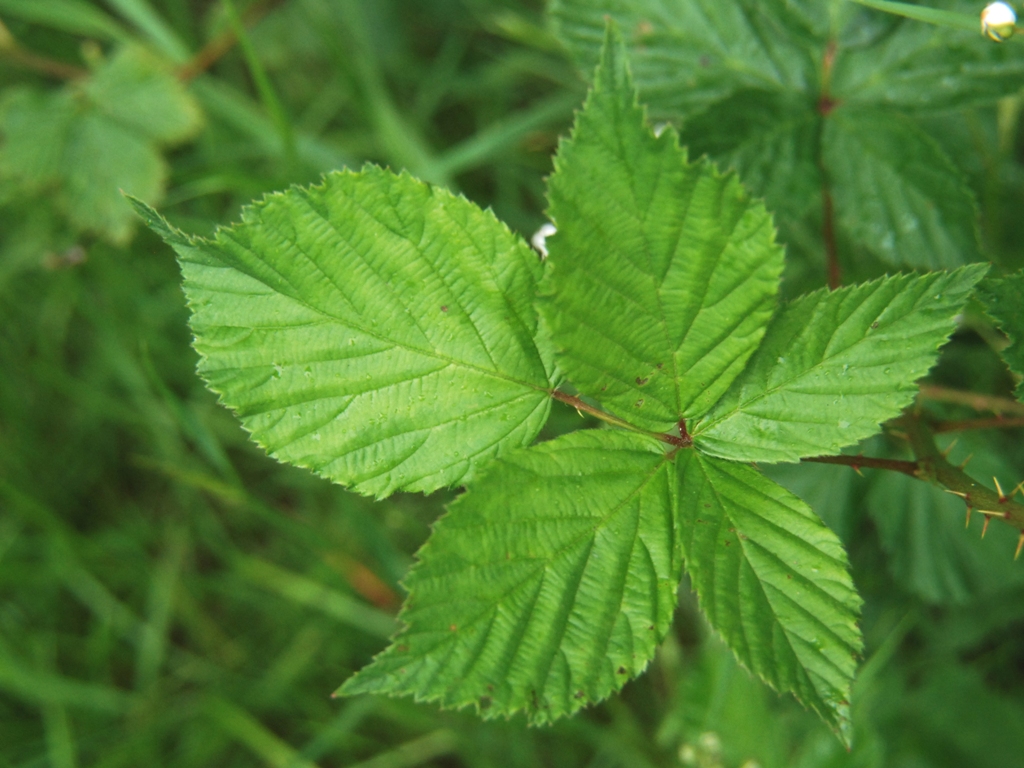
(931, 466)
(685, 441)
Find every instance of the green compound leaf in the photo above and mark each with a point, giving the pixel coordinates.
(96, 140)
(833, 366)
(688, 54)
(547, 585)
(1004, 300)
(373, 329)
(897, 192)
(663, 275)
(773, 580)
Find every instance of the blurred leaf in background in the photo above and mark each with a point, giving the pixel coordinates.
(819, 107)
(88, 143)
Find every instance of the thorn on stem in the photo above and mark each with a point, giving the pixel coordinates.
(961, 494)
(1015, 491)
(968, 523)
(965, 462)
(1020, 543)
(984, 528)
(949, 448)
(999, 489)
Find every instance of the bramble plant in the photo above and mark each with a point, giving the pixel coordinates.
(170, 595)
(392, 336)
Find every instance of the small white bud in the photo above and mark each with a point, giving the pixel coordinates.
(998, 21)
(540, 237)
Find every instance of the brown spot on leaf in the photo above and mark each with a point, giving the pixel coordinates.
(621, 670)
(444, 308)
(641, 381)
(453, 628)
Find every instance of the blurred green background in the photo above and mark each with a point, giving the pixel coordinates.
(169, 596)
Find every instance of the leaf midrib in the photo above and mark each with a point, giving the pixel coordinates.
(705, 426)
(540, 567)
(338, 321)
(746, 559)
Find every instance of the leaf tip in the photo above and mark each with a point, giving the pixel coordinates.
(612, 68)
(155, 221)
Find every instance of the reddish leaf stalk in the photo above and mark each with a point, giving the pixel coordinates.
(683, 441)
